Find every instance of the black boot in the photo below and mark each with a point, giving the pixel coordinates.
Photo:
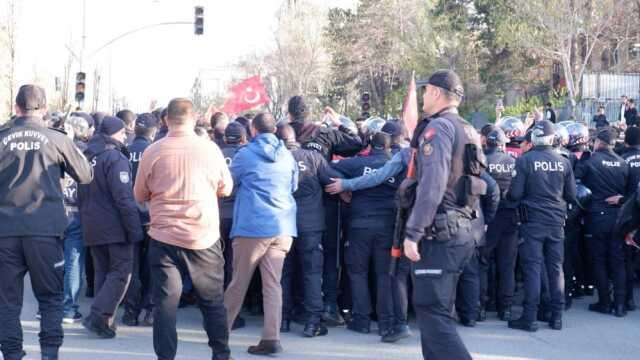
(600, 308)
(467, 322)
(556, 322)
(285, 326)
(482, 315)
(523, 324)
(98, 327)
(50, 353)
(505, 314)
(313, 329)
(331, 316)
(399, 332)
(619, 311)
(266, 347)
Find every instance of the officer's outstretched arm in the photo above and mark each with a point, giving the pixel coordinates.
(434, 161)
(392, 168)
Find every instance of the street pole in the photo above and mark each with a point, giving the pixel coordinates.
(84, 31)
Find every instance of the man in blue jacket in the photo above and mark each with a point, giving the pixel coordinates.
(264, 222)
(111, 222)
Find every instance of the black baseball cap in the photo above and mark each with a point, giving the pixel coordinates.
(444, 79)
(31, 97)
(234, 132)
(392, 128)
(497, 137)
(146, 121)
(608, 136)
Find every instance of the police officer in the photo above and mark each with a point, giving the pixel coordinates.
(438, 233)
(606, 174)
(138, 296)
(235, 137)
(472, 284)
(501, 249)
(631, 156)
(33, 160)
(337, 140)
(305, 257)
(543, 184)
(369, 238)
(111, 223)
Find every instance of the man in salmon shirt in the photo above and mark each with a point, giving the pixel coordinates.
(181, 176)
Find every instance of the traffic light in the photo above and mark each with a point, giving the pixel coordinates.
(199, 21)
(80, 86)
(366, 106)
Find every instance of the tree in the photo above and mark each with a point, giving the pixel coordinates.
(566, 31)
(8, 47)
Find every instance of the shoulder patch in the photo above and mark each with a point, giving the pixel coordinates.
(124, 177)
(427, 149)
(429, 134)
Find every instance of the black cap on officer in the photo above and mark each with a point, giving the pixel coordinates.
(497, 138)
(234, 133)
(444, 79)
(146, 121)
(607, 136)
(111, 125)
(31, 97)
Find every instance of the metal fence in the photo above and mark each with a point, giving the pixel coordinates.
(606, 89)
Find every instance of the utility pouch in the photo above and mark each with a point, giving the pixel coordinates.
(447, 225)
(472, 188)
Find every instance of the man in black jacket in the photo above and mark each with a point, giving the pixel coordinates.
(306, 255)
(631, 114)
(33, 160)
(328, 142)
(111, 223)
(138, 296)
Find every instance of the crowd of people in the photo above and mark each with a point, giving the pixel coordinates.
(169, 208)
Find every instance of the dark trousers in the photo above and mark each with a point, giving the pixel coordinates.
(138, 296)
(573, 261)
(366, 246)
(400, 293)
(630, 261)
(305, 259)
(435, 278)
(227, 243)
(468, 297)
(608, 257)
(501, 250)
(542, 247)
(332, 264)
(43, 258)
(113, 265)
(206, 270)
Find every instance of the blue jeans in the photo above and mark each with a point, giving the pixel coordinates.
(73, 264)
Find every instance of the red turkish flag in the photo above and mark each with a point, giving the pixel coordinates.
(245, 96)
(410, 107)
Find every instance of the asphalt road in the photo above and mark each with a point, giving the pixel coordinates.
(586, 336)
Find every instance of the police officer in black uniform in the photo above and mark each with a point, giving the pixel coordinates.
(438, 237)
(631, 156)
(369, 238)
(543, 184)
(33, 161)
(111, 222)
(235, 137)
(329, 141)
(305, 258)
(138, 296)
(472, 284)
(607, 175)
(501, 249)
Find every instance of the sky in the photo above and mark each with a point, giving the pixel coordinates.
(154, 64)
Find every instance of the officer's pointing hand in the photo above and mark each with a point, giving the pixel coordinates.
(335, 187)
(613, 200)
(411, 250)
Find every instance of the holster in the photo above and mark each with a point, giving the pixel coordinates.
(472, 189)
(447, 225)
(406, 194)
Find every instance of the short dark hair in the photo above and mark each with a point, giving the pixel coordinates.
(381, 141)
(178, 110)
(143, 131)
(632, 136)
(31, 98)
(286, 133)
(631, 101)
(217, 118)
(127, 116)
(264, 123)
(297, 108)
